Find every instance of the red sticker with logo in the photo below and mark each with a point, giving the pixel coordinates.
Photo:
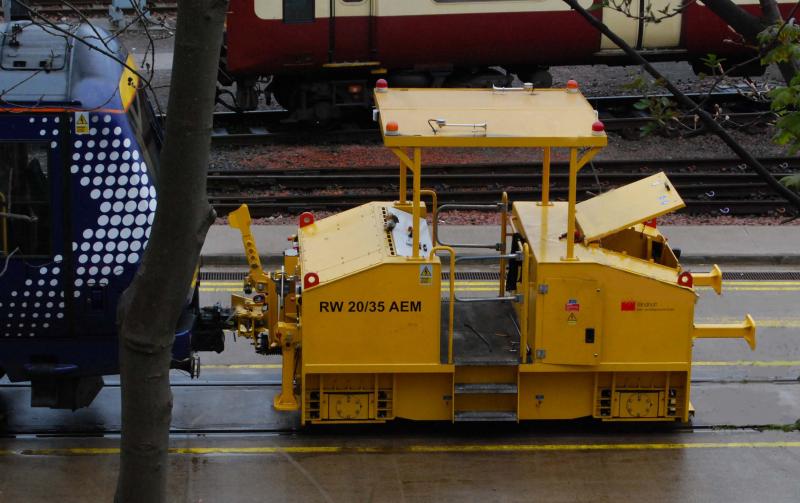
(628, 305)
(572, 305)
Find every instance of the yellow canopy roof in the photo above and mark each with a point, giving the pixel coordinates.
(487, 118)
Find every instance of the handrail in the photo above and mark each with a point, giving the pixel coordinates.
(467, 258)
(451, 304)
(526, 295)
(434, 201)
(503, 237)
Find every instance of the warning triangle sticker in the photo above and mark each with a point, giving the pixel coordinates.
(81, 122)
(425, 274)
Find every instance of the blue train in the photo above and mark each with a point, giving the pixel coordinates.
(79, 146)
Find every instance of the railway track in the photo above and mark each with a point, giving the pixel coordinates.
(721, 186)
(48, 423)
(733, 108)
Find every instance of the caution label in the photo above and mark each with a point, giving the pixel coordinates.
(81, 122)
(425, 274)
(572, 319)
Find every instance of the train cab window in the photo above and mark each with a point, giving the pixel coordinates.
(298, 11)
(25, 212)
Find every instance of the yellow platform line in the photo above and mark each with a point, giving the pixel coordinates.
(748, 363)
(757, 283)
(415, 449)
(708, 363)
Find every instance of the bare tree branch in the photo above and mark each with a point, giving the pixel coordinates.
(704, 116)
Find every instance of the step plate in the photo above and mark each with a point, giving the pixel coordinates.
(485, 389)
(485, 416)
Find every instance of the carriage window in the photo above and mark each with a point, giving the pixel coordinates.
(298, 11)
(24, 199)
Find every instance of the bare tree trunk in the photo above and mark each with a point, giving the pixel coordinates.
(745, 24)
(749, 26)
(707, 120)
(150, 308)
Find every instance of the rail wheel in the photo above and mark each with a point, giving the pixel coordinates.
(484, 78)
(538, 76)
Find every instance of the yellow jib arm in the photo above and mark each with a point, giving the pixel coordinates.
(240, 219)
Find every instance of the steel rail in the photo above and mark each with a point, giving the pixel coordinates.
(706, 184)
(285, 180)
(59, 431)
(261, 206)
(528, 169)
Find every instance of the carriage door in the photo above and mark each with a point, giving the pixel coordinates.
(35, 252)
(350, 32)
(643, 34)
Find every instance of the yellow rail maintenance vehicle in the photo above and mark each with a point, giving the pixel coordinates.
(592, 315)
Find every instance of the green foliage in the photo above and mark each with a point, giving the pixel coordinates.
(791, 182)
(713, 63)
(639, 83)
(782, 45)
(780, 42)
(660, 108)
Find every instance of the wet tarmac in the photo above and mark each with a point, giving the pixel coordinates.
(489, 465)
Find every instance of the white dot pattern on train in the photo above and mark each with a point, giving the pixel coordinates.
(115, 185)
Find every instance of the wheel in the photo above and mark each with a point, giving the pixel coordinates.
(539, 77)
(485, 78)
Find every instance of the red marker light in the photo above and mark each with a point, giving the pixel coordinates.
(310, 280)
(686, 279)
(381, 86)
(306, 218)
(572, 86)
(598, 128)
(392, 128)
